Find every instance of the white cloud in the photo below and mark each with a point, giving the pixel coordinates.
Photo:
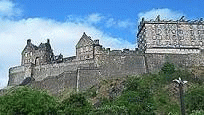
(125, 23)
(8, 9)
(90, 19)
(110, 22)
(95, 18)
(165, 14)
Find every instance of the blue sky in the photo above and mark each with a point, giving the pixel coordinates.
(113, 22)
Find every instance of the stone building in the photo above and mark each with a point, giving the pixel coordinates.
(42, 54)
(91, 63)
(167, 36)
(179, 42)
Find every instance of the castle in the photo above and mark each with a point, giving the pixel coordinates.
(180, 42)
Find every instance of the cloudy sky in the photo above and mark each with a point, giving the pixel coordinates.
(113, 22)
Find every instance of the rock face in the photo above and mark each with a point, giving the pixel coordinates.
(179, 42)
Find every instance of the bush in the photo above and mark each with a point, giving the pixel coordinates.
(194, 98)
(76, 104)
(168, 68)
(110, 109)
(137, 96)
(24, 100)
(136, 102)
(197, 112)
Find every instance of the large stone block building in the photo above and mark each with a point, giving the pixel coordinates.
(179, 42)
(167, 36)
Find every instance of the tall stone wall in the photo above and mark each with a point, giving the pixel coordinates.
(16, 75)
(57, 84)
(43, 71)
(83, 74)
(155, 60)
(88, 77)
(121, 65)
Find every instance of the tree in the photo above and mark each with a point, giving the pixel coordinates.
(195, 98)
(75, 104)
(168, 68)
(25, 100)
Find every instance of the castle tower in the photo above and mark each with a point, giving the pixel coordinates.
(42, 54)
(167, 36)
(85, 48)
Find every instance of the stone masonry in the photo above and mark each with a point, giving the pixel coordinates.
(91, 63)
(179, 42)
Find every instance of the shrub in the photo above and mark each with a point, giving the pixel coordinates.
(25, 100)
(194, 98)
(76, 104)
(110, 109)
(197, 112)
(168, 68)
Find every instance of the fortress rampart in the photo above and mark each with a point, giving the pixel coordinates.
(158, 42)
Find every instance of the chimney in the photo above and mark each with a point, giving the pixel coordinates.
(96, 42)
(48, 41)
(28, 41)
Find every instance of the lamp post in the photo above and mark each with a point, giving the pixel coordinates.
(181, 83)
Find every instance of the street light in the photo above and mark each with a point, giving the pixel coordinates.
(181, 83)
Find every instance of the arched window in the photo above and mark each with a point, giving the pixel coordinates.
(37, 61)
(26, 54)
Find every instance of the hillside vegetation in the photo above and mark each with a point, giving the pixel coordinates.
(147, 94)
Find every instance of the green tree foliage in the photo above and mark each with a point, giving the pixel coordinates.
(135, 99)
(168, 68)
(197, 112)
(110, 109)
(27, 101)
(194, 98)
(76, 104)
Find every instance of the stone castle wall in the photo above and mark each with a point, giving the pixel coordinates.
(156, 60)
(178, 42)
(16, 75)
(81, 74)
